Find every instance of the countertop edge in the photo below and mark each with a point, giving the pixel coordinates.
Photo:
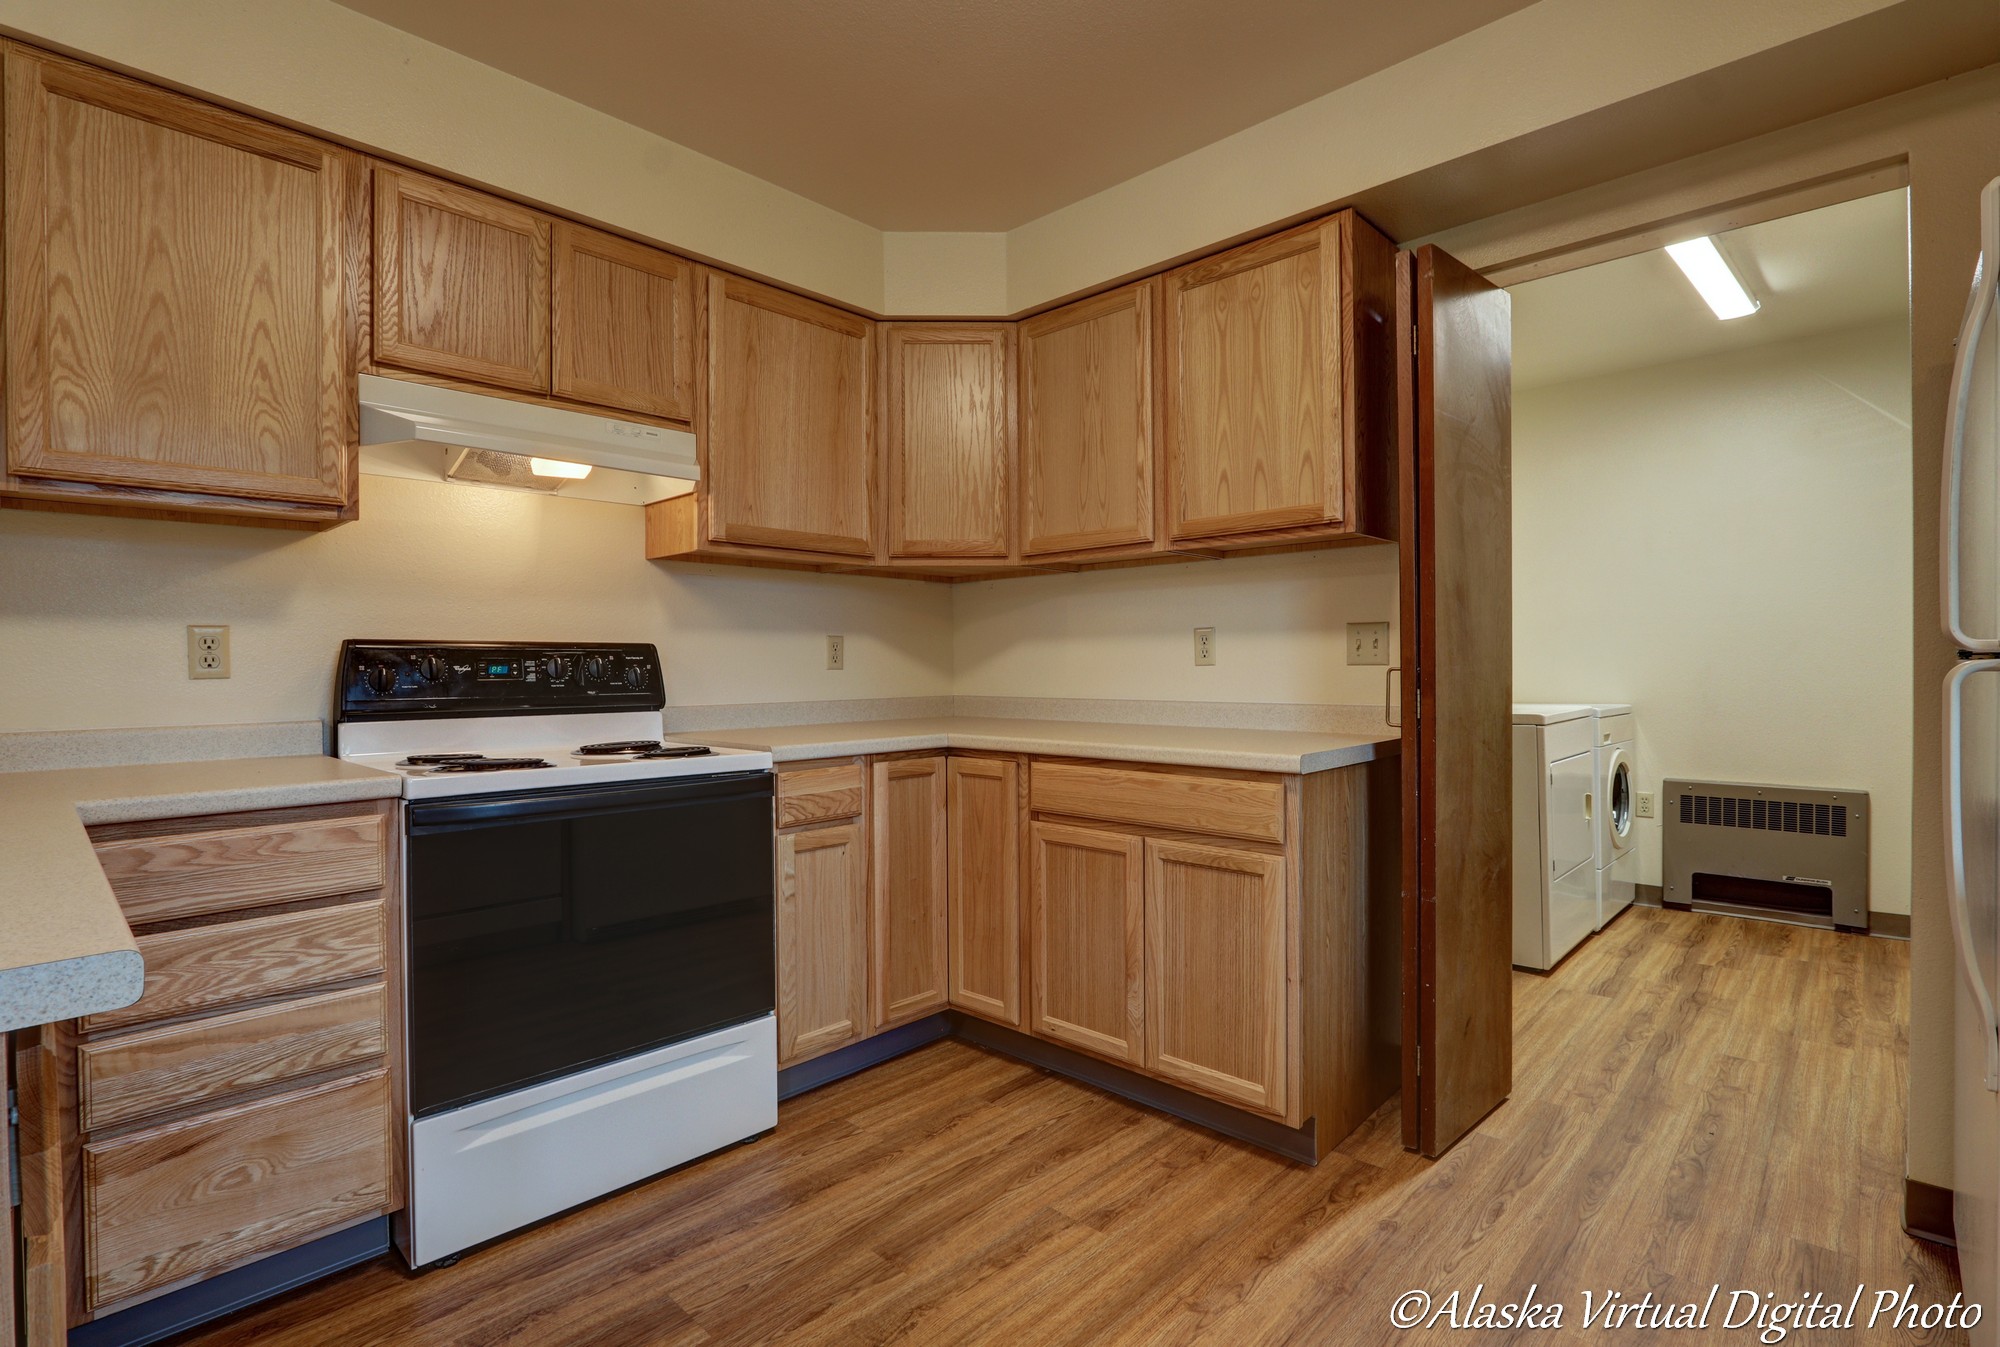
(65, 989)
(1355, 750)
(236, 799)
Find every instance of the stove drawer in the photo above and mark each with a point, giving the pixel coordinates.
(819, 794)
(168, 876)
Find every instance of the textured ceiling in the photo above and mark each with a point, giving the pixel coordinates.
(940, 114)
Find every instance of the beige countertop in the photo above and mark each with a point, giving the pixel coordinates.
(1183, 746)
(65, 949)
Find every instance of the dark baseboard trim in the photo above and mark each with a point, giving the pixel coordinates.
(1894, 925)
(1650, 895)
(1298, 1144)
(1927, 1212)
(842, 1062)
(232, 1291)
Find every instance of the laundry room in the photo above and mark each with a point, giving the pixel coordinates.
(1712, 552)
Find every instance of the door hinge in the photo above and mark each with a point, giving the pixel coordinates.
(1420, 1059)
(1413, 338)
(13, 1149)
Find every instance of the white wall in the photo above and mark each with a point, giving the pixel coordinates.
(93, 609)
(1279, 624)
(1725, 543)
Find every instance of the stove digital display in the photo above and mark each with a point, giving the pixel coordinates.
(500, 668)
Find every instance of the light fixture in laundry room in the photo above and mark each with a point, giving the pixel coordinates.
(1704, 265)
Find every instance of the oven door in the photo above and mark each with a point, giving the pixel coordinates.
(551, 931)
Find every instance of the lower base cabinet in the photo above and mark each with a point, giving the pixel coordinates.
(822, 940)
(1089, 924)
(910, 959)
(984, 808)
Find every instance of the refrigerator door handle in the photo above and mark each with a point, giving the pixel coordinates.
(1976, 310)
(1955, 886)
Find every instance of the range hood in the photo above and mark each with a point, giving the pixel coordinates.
(395, 412)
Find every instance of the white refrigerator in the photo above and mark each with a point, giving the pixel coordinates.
(1972, 770)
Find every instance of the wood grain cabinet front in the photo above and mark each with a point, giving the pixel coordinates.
(948, 439)
(1089, 946)
(983, 838)
(624, 324)
(182, 303)
(909, 964)
(822, 940)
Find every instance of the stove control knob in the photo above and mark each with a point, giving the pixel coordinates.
(380, 678)
(431, 669)
(555, 668)
(635, 675)
(596, 666)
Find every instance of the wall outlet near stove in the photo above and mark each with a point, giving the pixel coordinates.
(208, 652)
(1204, 645)
(836, 652)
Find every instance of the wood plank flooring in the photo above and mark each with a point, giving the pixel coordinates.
(1697, 1100)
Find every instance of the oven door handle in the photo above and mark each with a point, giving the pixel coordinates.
(435, 815)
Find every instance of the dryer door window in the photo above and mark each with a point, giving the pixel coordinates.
(1618, 800)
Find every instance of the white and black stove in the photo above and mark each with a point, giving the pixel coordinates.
(589, 927)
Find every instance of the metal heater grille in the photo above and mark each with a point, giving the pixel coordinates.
(1789, 852)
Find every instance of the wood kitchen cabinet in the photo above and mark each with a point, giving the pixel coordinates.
(948, 439)
(985, 807)
(1088, 424)
(1279, 387)
(624, 324)
(182, 303)
(1088, 928)
(461, 283)
(822, 939)
(910, 963)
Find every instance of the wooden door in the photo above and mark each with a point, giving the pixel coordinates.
(1087, 423)
(622, 324)
(910, 965)
(461, 283)
(788, 453)
(1087, 932)
(1253, 384)
(948, 438)
(822, 941)
(1215, 971)
(180, 307)
(1457, 684)
(984, 923)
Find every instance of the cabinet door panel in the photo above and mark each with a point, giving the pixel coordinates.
(907, 975)
(1089, 957)
(461, 283)
(984, 836)
(1215, 971)
(1087, 423)
(822, 941)
(179, 304)
(1254, 399)
(623, 323)
(788, 458)
(948, 438)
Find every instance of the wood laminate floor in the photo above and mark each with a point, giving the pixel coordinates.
(1697, 1100)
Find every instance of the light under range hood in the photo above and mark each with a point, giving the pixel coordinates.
(419, 430)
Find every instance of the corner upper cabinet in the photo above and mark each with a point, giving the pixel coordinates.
(624, 320)
(461, 283)
(1279, 394)
(181, 303)
(788, 453)
(1088, 424)
(948, 439)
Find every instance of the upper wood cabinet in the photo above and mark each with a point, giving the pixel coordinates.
(788, 451)
(1088, 969)
(181, 302)
(623, 320)
(984, 841)
(909, 967)
(461, 283)
(1087, 423)
(948, 438)
(1277, 372)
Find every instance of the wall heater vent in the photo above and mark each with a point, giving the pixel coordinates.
(1787, 852)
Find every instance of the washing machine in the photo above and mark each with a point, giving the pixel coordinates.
(1614, 809)
(1555, 845)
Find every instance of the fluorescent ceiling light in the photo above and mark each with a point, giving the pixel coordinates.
(555, 467)
(1703, 265)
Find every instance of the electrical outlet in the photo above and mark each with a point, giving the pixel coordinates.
(836, 652)
(208, 652)
(1645, 807)
(1204, 645)
(1368, 643)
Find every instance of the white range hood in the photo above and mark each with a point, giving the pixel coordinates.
(397, 413)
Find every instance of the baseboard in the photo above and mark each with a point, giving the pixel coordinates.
(1894, 925)
(1649, 895)
(844, 1062)
(1294, 1143)
(1927, 1212)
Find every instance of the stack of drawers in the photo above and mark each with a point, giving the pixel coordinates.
(243, 1105)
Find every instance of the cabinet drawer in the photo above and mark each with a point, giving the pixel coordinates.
(155, 1070)
(204, 967)
(1220, 805)
(819, 794)
(189, 874)
(199, 1196)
